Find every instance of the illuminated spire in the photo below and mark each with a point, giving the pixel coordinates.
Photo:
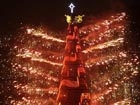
(71, 6)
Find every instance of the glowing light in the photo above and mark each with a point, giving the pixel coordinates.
(105, 45)
(123, 102)
(46, 61)
(72, 6)
(68, 18)
(29, 31)
(79, 18)
(101, 28)
(34, 58)
(44, 36)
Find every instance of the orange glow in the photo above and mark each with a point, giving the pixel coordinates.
(105, 45)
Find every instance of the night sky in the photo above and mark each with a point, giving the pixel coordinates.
(47, 12)
(17, 13)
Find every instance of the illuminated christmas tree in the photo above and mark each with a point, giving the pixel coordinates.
(41, 73)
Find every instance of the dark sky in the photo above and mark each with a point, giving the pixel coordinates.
(51, 12)
(35, 11)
